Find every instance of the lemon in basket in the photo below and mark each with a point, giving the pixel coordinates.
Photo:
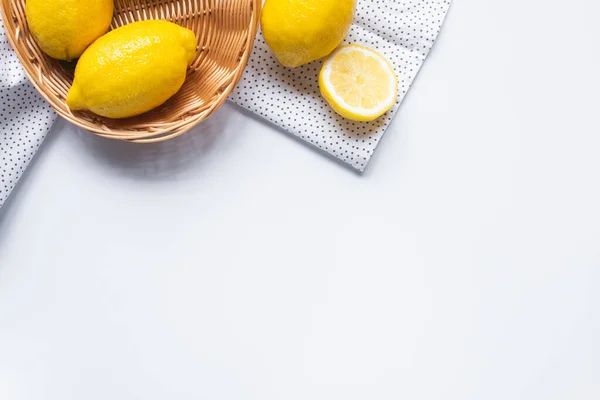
(132, 69)
(299, 32)
(358, 83)
(64, 28)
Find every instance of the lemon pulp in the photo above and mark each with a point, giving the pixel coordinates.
(358, 83)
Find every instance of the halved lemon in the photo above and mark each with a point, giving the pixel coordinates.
(358, 83)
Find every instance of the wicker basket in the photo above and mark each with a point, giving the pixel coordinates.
(225, 30)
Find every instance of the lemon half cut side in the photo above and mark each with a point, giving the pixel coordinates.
(358, 83)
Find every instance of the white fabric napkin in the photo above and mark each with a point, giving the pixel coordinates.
(25, 118)
(402, 30)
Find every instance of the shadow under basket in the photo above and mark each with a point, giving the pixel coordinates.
(225, 32)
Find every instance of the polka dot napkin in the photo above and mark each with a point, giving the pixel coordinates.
(25, 118)
(402, 30)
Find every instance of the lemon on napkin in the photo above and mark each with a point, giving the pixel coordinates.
(358, 83)
(302, 31)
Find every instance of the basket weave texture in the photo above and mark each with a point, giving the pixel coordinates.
(225, 32)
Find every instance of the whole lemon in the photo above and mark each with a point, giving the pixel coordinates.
(302, 31)
(132, 69)
(64, 28)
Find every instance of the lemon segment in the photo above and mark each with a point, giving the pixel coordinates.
(132, 69)
(358, 83)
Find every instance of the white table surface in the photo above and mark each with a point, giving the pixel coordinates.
(237, 263)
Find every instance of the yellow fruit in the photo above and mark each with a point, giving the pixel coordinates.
(302, 31)
(132, 69)
(358, 83)
(64, 28)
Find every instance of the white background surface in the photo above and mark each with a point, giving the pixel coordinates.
(237, 263)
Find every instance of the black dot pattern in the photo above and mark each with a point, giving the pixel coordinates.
(401, 30)
(25, 118)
